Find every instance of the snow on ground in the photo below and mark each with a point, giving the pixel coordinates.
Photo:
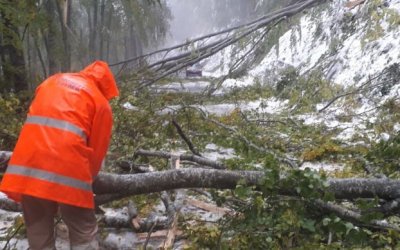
(113, 240)
(6, 222)
(218, 64)
(215, 152)
(351, 59)
(262, 106)
(191, 87)
(297, 47)
(317, 166)
(359, 117)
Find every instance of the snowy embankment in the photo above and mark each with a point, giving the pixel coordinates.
(347, 57)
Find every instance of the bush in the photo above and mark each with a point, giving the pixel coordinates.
(13, 110)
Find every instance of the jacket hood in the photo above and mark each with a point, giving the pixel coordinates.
(101, 74)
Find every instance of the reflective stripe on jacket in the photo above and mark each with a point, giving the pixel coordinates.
(64, 139)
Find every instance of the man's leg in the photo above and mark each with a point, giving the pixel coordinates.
(39, 221)
(82, 227)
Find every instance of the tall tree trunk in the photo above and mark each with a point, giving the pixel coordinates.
(51, 39)
(135, 45)
(131, 43)
(101, 34)
(29, 59)
(1, 60)
(93, 32)
(13, 62)
(108, 26)
(69, 25)
(64, 19)
(42, 62)
(126, 48)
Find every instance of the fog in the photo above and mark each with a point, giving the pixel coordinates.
(193, 18)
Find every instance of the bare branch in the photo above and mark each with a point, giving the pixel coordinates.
(185, 138)
(173, 64)
(354, 217)
(185, 157)
(363, 87)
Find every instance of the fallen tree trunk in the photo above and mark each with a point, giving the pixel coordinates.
(125, 185)
(172, 179)
(108, 187)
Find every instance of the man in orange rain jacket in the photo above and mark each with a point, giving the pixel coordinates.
(59, 153)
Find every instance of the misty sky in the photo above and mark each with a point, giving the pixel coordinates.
(189, 19)
(193, 18)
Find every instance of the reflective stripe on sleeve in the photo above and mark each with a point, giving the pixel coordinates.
(56, 123)
(48, 176)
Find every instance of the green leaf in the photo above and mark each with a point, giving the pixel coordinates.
(308, 224)
(326, 221)
(243, 191)
(349, 227)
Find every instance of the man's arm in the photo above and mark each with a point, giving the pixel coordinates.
(100, 137)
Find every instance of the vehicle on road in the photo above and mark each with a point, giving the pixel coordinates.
(194, 71)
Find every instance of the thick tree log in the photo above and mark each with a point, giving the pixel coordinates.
(351, 188)
(109, 187)
(113, 186)
(172, 179)
(354, 188)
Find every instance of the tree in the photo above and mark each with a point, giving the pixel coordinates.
(44, 37)
(13, 75)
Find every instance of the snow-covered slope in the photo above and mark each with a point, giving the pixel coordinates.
(346, 57)
(347, 45)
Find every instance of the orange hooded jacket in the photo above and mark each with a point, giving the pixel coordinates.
(64, 139)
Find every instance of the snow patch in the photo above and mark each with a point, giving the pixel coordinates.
(318, 166)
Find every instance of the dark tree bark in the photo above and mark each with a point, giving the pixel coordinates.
(51, 40)
(101, 33)
(171, 179)
(110, 187)
(93, 30)
(42, 62)
(114, 186)
(108, 27)
(64, 16)
(12, 57)
(145, 183)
